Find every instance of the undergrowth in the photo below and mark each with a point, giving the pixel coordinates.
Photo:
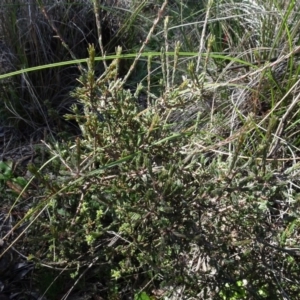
(181, 178)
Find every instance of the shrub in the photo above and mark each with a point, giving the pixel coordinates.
(194, 195)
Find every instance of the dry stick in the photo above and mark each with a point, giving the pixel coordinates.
(99, 30)
(78, 279)
(203, 35)
(282, 121)
(257, 63)
(53, 281)
(23, 232)
(207, 149)
(148, 79)
(159, 16)
(166, 50)
(81, 68)
(280, 59)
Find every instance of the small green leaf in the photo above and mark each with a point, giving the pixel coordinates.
(20, 181)
(5, 170)
(141, 296)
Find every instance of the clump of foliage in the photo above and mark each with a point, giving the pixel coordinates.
(131, 202)
(126, 190)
